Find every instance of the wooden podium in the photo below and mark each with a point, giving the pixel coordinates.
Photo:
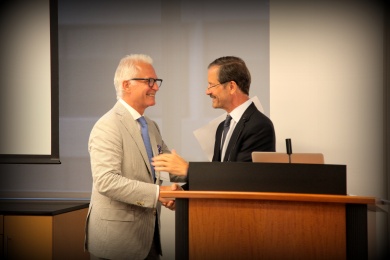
(257, 225)
(226, 224)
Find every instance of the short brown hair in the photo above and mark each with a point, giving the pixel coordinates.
(233, 69)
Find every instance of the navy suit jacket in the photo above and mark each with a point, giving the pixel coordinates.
(253, 132)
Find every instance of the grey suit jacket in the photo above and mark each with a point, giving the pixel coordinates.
(121, 218)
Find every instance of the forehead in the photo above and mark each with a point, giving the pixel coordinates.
(213, 72)
(145, 69)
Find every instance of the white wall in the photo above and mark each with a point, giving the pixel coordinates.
(326, 85)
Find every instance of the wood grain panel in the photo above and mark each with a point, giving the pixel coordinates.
(68, 235)
(28, 237)
(255, 229)
(1, 236)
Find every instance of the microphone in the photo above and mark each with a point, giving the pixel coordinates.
(289, 149)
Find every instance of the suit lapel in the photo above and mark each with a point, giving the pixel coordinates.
(238, 131)
(153, 141)
(132, 128)
(152, 135)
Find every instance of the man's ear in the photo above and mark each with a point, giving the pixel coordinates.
(233, 86)
(125, 85)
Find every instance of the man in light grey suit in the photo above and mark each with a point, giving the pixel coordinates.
(123, 219)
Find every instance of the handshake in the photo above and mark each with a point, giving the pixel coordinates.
(169, 202)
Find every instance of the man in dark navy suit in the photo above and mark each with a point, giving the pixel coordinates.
(246, 129)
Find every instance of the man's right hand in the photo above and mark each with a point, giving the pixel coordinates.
(169, 202)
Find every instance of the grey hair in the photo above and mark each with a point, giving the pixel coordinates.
(128, 69)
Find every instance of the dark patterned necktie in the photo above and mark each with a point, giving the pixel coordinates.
(226, 127)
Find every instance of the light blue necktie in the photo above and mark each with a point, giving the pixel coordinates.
(145, 137)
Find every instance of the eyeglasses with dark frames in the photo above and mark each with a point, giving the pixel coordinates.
(213, 86)
(151, 81)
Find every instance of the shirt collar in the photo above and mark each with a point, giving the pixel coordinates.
(131, 110)
(237, 113)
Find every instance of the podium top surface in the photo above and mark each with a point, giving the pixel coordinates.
(274, 196)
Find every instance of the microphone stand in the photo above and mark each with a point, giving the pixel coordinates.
(289, 149)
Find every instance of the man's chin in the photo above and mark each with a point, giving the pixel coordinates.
(215, 105)
(151, 103)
